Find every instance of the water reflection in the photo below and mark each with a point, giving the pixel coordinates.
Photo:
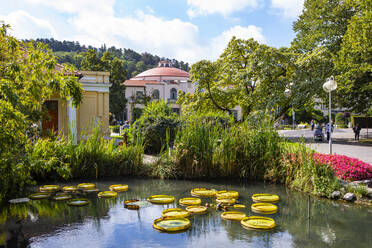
(106, 223)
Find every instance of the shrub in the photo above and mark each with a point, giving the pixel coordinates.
(50, 159)
(298, 170)
(152, 127)
(92, 157)
(209, 150)
(153, 131)
(340, 120)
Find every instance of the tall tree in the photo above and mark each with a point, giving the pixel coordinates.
(354, 61)
(322, 23)
(117, 91)
(28, 77)
(343, 27)
(247, 74)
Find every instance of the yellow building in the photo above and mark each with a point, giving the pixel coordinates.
(94, 108)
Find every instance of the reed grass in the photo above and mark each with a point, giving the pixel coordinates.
(92, 157)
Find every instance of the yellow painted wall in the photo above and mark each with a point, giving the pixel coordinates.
(93, 110)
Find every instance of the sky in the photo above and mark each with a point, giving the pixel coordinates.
(188, 30)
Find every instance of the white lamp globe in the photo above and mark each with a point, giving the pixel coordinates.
(330, 84)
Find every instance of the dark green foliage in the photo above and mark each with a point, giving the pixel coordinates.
(340, 120)
(95, 157)
(209, 150)
(153, 130)
(140, 62)
(91, 158)
(156, 121)
(27, 78)
(363, 121)
(298, 170)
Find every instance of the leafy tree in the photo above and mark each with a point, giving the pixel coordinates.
(322, 23)
(28, 77)
(247, 74)
(117, 90)
(140, 66)
(92, 62)
(354, 60)
(343, 28)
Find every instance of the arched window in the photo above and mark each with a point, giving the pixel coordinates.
(155, 95)
(173, 94)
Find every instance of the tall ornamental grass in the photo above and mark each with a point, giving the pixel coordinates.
(299, 171)
(205, 149)
(92, 157)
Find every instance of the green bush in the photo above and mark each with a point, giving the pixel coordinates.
(211, 151)
(298, 170)
(340, 120)
(152, 127)
(153, 131)
(92, 157)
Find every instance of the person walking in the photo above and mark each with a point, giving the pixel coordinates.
(312, 124)
(329, 129)
(356, 130)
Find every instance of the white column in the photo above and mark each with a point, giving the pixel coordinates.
(71, 112)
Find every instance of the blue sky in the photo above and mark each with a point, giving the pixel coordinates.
(188, 30)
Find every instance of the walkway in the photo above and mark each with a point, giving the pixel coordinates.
(343, 143)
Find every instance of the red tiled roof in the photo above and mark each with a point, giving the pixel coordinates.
(164, 71)
(139, 83)
(61, 68)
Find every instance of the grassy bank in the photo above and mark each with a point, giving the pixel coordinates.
(245, 152)
(207, 149)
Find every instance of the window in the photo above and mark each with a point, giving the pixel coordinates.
(155, 95)
(173, 94)
(139, 94)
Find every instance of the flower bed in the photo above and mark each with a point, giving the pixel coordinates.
(346, 168)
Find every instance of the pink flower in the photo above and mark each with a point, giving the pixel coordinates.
(345, 167)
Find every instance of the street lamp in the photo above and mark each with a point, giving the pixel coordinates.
(288, 93)
(329, 86)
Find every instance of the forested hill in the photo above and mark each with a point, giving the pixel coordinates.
(73, 53)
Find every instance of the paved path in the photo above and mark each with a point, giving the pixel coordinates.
(343, 143)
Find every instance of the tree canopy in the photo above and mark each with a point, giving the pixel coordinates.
(343, 27)
(29, 75)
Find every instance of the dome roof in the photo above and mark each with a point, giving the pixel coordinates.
(163, 71)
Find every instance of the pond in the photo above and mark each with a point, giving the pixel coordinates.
(106, 223)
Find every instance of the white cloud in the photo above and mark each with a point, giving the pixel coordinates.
(143, 32)
(26, 26)
(288, 8)
(224, 7)
(98, 7)
(220, 42)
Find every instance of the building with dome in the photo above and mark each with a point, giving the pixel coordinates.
(161, 83)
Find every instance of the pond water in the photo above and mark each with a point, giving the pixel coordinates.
(106, 223)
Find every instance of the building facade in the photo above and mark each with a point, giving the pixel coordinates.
(161, 83)
(93, 110)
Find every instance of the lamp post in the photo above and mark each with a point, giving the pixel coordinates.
(329, 86)
(288, 93)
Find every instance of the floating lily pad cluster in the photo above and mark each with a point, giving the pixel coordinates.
(177, 219)
(172, 219)
(70, 193)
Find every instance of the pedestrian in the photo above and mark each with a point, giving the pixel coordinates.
(312, 124)
(125, 132)
(356, 130)
(329, 129)
(126, 125)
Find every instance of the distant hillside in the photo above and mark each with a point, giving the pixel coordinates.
(73, 53)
